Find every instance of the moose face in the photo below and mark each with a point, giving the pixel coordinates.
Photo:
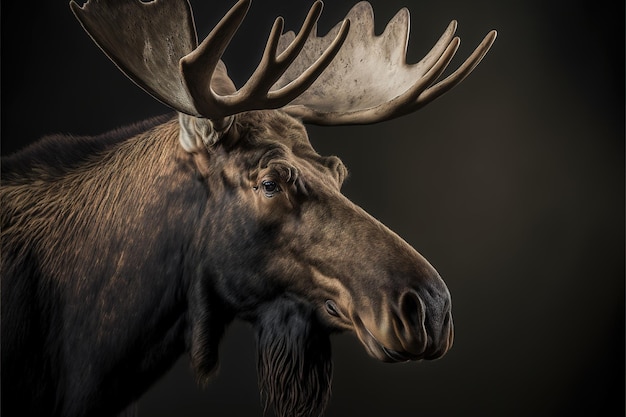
(319, 247)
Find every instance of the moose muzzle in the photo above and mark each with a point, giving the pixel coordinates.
(415, 325)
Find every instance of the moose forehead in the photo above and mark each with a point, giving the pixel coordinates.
(270, 142)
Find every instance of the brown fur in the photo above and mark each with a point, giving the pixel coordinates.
(122, 252)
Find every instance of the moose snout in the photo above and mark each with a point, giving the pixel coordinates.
(417, 325)
(424, 323)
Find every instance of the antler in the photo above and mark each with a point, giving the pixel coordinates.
(369, 81)
(155, 45)
(145, 41)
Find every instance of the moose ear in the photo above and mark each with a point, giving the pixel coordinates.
(294, 359)
(197, 134)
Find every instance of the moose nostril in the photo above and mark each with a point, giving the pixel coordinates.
(412, 309)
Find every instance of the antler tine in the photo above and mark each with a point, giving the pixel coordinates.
(264, 79)
(197, 67)
(460, 74)
(295, 88)
(440, 46)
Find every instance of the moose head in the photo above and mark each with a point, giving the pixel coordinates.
(274, 241)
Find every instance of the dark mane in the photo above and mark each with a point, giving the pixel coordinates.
(54, 155)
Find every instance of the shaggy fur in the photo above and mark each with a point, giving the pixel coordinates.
(123, 251)
(294, 359)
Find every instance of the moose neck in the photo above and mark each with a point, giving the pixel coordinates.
(127, 222)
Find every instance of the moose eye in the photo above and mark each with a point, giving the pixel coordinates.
(331, 308)
(270, 188)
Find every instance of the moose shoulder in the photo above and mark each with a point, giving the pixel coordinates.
(123, 251)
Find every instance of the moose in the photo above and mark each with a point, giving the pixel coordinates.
(124, 251)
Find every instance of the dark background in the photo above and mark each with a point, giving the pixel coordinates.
(512, 185)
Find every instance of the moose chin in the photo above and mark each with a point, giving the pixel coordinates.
(124, 251)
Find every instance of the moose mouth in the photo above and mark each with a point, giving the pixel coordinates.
(381, 352)
(427, 351)
(396, 356)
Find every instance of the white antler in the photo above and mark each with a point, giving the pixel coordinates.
(146, 41)
(369, 81)
(155, 45)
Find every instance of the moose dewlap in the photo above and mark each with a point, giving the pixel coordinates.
(123, 251)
